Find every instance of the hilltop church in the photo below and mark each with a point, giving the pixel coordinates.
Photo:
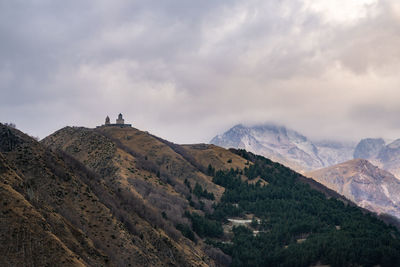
(120, 122)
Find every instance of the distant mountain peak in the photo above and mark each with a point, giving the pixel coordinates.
(284, 145)
(368, 147)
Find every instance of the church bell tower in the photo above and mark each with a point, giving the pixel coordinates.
(120, 120)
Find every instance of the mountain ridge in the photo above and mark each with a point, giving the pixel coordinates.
(285, 146)
(364, 183)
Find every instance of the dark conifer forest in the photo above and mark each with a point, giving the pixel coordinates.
(293, 224)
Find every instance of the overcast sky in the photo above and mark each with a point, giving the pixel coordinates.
(188, 70)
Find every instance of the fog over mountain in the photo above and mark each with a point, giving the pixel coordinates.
(187, 71)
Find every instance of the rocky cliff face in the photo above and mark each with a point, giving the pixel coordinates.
(285, 146)
(365, 184)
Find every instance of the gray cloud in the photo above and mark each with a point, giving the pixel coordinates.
(188, 70)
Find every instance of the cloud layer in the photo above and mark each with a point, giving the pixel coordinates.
(188, 70)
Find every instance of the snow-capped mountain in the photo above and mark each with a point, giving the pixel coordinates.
(285, 146)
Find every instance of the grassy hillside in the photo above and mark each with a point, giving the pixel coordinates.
(157, 179)
(135, 163)
(87, 219)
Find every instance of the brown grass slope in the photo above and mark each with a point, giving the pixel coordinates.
(150, 176)
(135, 161)
(86, 221)
(218, 157)
(25, 234)
(169, 159)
